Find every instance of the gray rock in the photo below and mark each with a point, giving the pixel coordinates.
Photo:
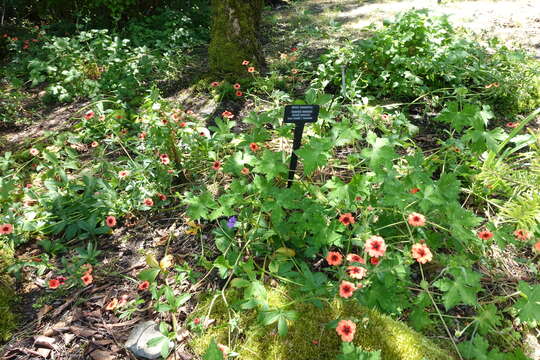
(532, 348)
(138, 339)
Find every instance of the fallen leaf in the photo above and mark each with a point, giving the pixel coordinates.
(68, 337)
(166, 262)
(82, 332)
(44, 310)
(44, 352)
(44, 341)
(102, 355)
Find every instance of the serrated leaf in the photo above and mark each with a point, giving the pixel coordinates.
(462, 289)
(314, 154)
(213, 352)
(529, 305)
(270, 164)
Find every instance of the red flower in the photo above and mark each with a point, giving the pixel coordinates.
(374, 261)
(224, 349)
(54, 283)
(162, 197)
(421, 253)
(6, 229)
(144, 285)
(94, 144)
(375, 246)
(61, 279)
(334, 258)
(196, 321)
(236, 86)
(294, 49)
(239, 93)
(357, 272)
(485, 234)
(245, 171)
(88, 115)
(385, 117)
(148, 202)
(87, 279)
(347, 219)
(142, 135)
(512, 124)
(346, 289)
(112, 304)
(251, 69)
(88, 268)
(215, 84)
(346, 329)
(245, 62)
(355, 258)
(110, 221)
(414, 190)
(227, 114)
(34, 151)
(315, 342)
(254, 147)
(183, 124)
(536, 247)
(522, 234)
(216, 165)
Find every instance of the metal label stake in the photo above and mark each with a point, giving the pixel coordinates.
(298, 115)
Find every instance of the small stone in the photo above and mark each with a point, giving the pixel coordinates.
(532, 347)
(138, 339)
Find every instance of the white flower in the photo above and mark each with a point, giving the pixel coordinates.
(156, 106)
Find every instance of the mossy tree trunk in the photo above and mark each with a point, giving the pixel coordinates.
(235, 29)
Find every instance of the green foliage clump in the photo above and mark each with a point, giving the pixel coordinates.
(418, 54)
(311, 336)
(8, 319)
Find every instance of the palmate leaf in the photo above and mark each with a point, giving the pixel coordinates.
(213, 352)
(314, 154)
(488, 319)
(462, 289)
(270, 164)
(529, 306)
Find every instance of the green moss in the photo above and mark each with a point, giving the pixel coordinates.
(256, 342)
(8, 319)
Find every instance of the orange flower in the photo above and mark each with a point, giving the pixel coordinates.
(346, 289)
(148, 202)
(227, 114)
(112, 304)
(357, 272)
(334, 258)
(416, 219)
(162, 197)
(236, 86)
(346, 329)
(347, 219)
(87, 279)
(110, 221)
(239, 93)
(355, 258)
(34, 151)
(374, 261)
(144, 285)
(245, 171)
(375, 246)
(245, 62)
(485, 234)
(216, 165)
(512, 124)
(421, 253)
(536, 247)
(88, 268)
(251, 69)
(414, 190)
(6, 229)
(94, 144)
(522, 234)
(54, 283)
(254, 147)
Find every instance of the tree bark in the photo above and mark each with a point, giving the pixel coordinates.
(235, 29)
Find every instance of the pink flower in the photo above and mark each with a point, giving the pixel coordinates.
(236, 86)
(162, 197)
(110, 221)
(251, 69)
(375, 246)
(144, 285)
(122, 174)
(89, 114)
(421, 253)
(227, 114)
(355, 258)
(346, 329)
(346, 289)
(245, 62)
(485, 234)
(522, 234)
(34, 151)
(346, 219)
(216, 165)
(6, 229)
(357, 272)
(215, 84)
(416, 219)
(165, 159)
(148, 202)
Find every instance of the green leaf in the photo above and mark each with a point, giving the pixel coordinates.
(488, 319)
(270, 164)
(462, 289)
(213, 352)
(283, 329)
(529, 305)
(314, 154)
(149, 274)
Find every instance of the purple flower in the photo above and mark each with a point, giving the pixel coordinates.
(231, 222)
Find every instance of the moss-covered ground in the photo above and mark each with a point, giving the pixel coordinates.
(309, 337)
(8, 320)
